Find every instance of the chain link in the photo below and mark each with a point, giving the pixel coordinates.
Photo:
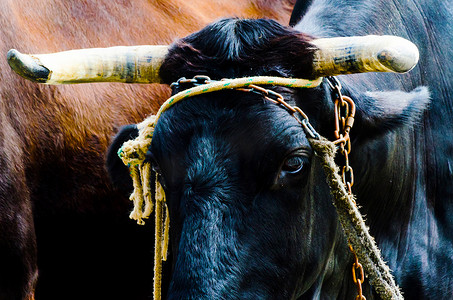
(344, 119)
(196, 80)
(358, 280)
(277, 98)
(269, 95)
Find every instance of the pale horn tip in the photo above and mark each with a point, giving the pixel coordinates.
(400, 56)
(27, 67)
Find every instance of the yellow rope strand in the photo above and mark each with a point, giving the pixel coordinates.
(160, 198)
(133, 152)
(237, 83)
(166, 234)
(146, 175)
(137, 196)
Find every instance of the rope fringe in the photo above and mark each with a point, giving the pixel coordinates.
(146, 175)
(137, 196)
(166, 234)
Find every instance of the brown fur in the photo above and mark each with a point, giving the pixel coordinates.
(53, 141)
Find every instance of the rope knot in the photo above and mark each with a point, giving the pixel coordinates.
(133, 152)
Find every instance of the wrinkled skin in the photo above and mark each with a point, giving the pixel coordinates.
(251, 214)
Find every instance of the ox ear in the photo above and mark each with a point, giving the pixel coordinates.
(380, 112)
(118, 172)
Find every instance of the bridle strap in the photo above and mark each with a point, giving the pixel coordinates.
(133, 154)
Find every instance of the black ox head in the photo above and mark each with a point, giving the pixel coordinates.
(250, 210)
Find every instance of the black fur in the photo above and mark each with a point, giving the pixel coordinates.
(233, 48)
(300, 8)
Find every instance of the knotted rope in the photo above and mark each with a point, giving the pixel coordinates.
(133, 154)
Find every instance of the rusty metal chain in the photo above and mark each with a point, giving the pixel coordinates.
(358, 280)
(196, 80)
(277, 98)
(344, 119)
(269, 95)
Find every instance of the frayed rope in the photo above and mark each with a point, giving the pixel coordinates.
(354, 226)
(133, 154)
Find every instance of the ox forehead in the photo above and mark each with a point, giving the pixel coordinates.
(225, 128)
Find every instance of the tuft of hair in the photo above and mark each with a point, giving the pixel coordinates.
(233, 48)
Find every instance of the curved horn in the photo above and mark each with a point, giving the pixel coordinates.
(129, 64)
(347, 55)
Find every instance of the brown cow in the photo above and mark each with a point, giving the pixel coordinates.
(60, 219)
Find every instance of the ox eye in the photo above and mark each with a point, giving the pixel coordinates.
(294, 164)
(293, 169)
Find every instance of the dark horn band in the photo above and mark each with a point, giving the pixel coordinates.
(27, 67)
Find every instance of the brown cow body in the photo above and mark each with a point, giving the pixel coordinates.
(63, 229)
